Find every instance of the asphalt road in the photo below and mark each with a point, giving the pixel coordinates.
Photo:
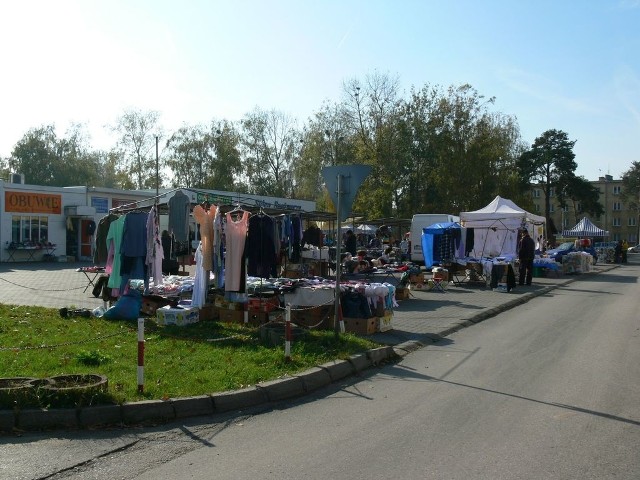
(546, 390)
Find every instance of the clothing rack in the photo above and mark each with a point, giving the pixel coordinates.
(136, 204)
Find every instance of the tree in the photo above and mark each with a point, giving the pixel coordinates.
(373, 106)
(46, 159)
(271, 142)
(205, 157)
(137, 132)
(35, 156)
(550, 163)
(630, 193)
(583, 196)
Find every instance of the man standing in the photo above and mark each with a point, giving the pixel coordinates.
(526, 252)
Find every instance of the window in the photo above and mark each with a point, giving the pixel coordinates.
(29, 229)
(632, 221)
(551, 190)
(537, 208)
(551, 209)
(616, 222)
(536, 193)
(616, 189)
(617, 206)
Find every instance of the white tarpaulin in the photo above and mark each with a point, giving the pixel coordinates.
(496, 227)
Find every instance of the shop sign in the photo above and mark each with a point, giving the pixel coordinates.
(28, 202)
(101, 204)
(119, 202)
(214, 198)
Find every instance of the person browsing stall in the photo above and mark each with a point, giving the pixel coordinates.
(526, 253)
(350, 243)
(385, 258)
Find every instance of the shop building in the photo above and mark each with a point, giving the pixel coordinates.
(57, 223)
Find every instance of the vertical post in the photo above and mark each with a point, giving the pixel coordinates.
(287, 333)
(140, 355)
(157, 168)
(338, 323)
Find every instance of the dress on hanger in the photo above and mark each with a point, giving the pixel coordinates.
(235, 234)
(205, 218)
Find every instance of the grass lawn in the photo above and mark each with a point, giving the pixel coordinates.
(201, 358)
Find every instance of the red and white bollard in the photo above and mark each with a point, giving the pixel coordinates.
(140, 355)
(287, 333)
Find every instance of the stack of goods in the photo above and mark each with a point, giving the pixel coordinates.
(576, 262)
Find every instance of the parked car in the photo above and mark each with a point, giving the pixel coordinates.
(634, 249)
(568, 247)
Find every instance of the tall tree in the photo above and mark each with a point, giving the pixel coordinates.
(46, 159)
(373, 106)
(584, 197)
(137, 132)
(549, 163)
(35, 156)
(271, 142)
(631, 192)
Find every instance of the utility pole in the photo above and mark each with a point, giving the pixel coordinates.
(157, 168)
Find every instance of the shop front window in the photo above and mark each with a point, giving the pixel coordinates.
(29, 229)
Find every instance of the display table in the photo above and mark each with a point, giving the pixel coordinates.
(30, 251)
(310, 297)
(546, 265)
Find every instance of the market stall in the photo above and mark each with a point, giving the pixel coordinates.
(585, 229)
(492, 233)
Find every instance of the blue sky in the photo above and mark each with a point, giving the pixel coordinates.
(568, 65)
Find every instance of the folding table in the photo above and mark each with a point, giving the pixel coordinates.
(91, 273)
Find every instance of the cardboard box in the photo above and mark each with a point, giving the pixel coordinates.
(379, 310)
(257, 317)
(385, 321)
(177, 316)
(220, 302)
(402, 293)
(315, 317)
(361, 326)
(231, 316)
(209, 312)
(265, 304)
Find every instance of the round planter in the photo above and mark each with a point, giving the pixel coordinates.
(14, 391)
(76, 389)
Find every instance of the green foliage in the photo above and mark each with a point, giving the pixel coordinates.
(93, 357)
(137, 131)
(550, 164)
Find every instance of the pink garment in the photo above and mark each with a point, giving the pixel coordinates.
(235, 235)
(205, 219)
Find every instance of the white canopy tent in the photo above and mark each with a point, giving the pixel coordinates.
(496, 227)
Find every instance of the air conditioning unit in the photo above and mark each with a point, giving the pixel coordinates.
(16, 178)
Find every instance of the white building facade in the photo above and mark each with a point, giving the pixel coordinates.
(57, 223)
